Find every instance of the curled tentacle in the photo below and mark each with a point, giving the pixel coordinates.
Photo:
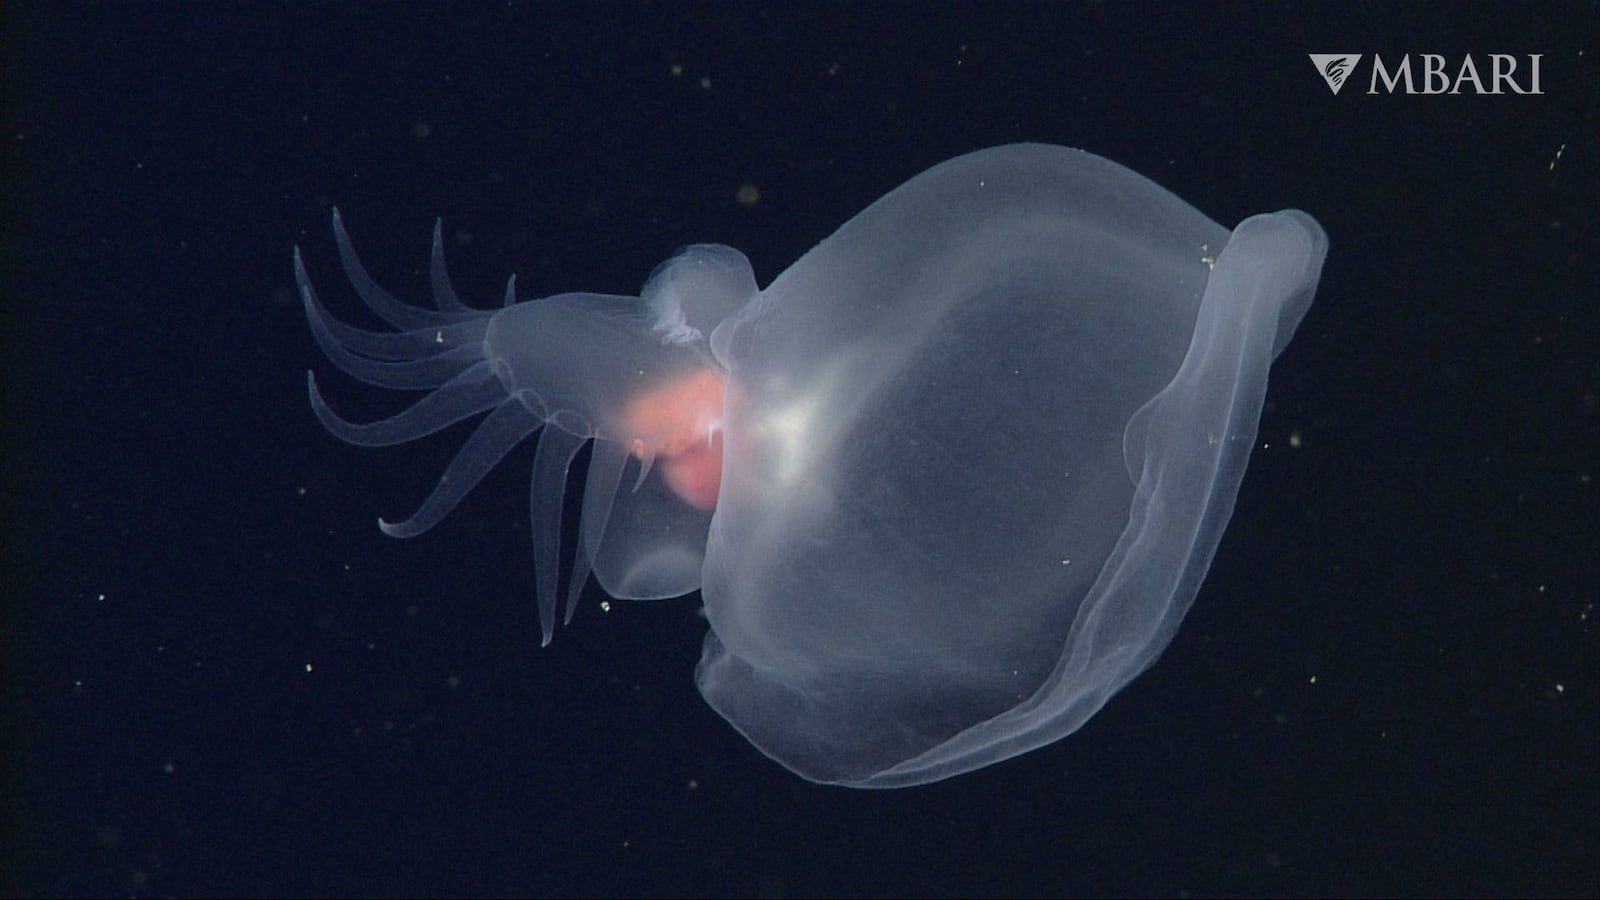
(444, 295)
(472, 392)
(546, 500)
(505, 428)
(403, 316)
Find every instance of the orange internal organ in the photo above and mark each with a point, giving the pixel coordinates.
(680, 424)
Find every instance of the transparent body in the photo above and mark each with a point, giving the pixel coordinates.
(946, 485)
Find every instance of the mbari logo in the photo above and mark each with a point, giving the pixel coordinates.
(1335, 67)
(1432, 73)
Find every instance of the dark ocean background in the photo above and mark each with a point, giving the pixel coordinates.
(221, 679)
